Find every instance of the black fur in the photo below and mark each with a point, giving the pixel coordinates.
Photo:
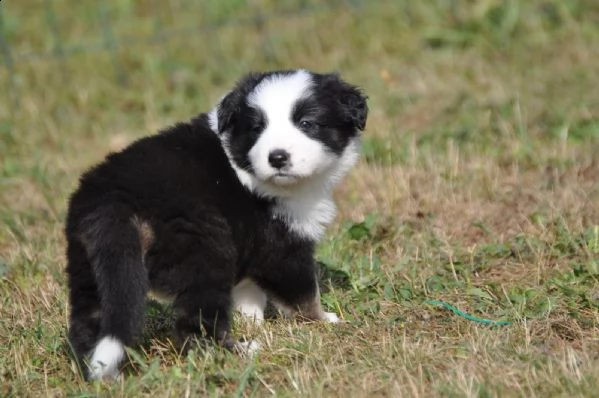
(169, 214)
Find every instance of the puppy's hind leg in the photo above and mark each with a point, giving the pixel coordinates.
(114, 250)
(84, 323)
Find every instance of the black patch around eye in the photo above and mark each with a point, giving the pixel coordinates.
(319, 120)
(256, 127)
(255, 122)
(305, 110)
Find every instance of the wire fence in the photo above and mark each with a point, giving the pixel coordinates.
(49, 41)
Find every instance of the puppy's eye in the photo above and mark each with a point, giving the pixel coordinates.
(256, 128)
(307, 125)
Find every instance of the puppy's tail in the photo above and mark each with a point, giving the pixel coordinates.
(114, 245)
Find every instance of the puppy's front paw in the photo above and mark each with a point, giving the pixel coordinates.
(249, 347)
(331, 317)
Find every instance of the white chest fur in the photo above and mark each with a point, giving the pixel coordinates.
(307, 216)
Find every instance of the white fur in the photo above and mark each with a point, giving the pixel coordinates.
(213, 119)
(105, 360)
(249, 347)
(331, 317)
(249, 299)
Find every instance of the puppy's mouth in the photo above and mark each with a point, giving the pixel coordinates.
(282, 178)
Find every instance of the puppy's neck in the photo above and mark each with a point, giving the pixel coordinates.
(307, 215)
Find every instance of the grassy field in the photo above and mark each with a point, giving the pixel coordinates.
(478, 186)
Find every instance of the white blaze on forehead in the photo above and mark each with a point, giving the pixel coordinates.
(277, 94)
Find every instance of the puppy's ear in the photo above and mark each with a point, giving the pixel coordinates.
(228, 109)
(232, 104)
(351, 99)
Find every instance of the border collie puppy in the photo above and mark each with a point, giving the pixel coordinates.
(217, 213)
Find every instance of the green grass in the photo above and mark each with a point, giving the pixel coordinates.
(479, 186)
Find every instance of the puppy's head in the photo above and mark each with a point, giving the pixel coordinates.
(288, 129)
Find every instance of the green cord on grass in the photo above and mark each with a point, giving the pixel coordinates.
(466, 316)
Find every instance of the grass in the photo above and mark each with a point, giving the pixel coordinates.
(479, 186)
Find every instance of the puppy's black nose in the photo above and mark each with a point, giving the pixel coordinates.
(278, 158)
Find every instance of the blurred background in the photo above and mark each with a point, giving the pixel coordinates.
(478, 184)
(435, 71)
(509, 79)
(131, 66)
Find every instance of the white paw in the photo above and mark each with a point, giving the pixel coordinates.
(331, 317)
(105, 360)
(248, 347)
